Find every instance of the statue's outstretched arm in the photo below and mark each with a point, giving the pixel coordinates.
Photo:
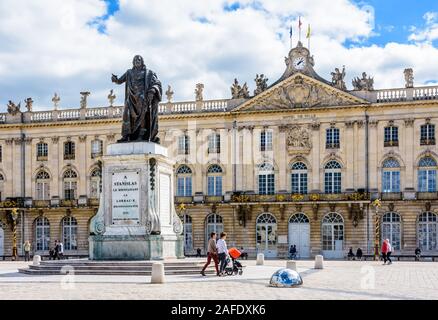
(120, 80)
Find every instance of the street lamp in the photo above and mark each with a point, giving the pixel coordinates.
(377, 204)
(14, 216)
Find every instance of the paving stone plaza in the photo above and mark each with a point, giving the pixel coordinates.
(369, 280)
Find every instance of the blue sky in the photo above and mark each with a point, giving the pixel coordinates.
(394, 18)
(76, 45)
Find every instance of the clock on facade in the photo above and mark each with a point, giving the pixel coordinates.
(299, 63)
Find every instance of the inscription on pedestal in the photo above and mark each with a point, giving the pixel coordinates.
(125, 197)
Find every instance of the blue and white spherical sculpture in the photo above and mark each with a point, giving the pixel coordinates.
(286, 278)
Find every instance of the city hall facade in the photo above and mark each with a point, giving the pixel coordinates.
(298, 161)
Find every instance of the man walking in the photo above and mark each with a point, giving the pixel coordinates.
(211, 254)
(27, 247)
(223, 252)
(386, 251)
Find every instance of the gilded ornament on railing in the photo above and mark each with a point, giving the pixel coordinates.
(314, 197)
(377, 203)
(357, 196)
(181, 207)
(297, 197)
(281, 198)
(240, 198)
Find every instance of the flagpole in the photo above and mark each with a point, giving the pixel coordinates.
(308, 39)
(299, 27)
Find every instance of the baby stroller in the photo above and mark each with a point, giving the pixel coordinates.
(233, 265)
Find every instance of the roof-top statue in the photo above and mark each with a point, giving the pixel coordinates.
(13, 109)
(261, 84)
(338, 79)
(142, 94)
(409, 78)
(365, 84)
(238, 91)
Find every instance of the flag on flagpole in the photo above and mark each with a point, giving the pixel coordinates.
(299, 26)
(309, 33)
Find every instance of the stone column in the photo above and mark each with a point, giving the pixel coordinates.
(54, 164)
(248, 158)
(350, 154)
(17, 172)
(409, 143)
(280, 149)
(360, 177)
(30, 158)
(316, 156)
(82, 156)
(373, 163)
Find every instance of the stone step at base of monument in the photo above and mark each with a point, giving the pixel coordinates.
(84, 267)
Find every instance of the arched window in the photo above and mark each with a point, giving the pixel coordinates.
(42, 181)
(184, 181)
(42, 234)
(333, 177)
(95, 183)
(266, 178)
(188, 233)
(96, 148)
(70, 184)
(69, 150)
(214, 180)
(427, 168)
(266, 232)
(42, 151)
(299, 218)
(69, 233)
(391, 176)
(214, 224)
(333, 235)
(299, 178)
(428, 231)
(391, 229)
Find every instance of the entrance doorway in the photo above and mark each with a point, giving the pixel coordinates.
(299, 234)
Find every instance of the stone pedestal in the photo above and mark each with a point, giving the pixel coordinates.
(136, 219)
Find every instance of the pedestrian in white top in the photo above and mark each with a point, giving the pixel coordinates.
(222, 252)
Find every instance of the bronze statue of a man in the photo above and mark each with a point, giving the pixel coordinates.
(142, 95)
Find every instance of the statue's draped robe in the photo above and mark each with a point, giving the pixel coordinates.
(140, 116)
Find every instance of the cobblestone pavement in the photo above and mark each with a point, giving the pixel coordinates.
(338, 280)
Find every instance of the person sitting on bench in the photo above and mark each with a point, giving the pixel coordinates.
(359, 254)
(350, 254)
(417, 254)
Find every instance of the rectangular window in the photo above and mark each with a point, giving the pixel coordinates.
(266, 141)
(183, 144)
(214, 143)
(333, 182)
(427, 135)
(391, 136)
(43, 191)
(299, 183)
(70, 190)
(427, 181)
(184, 186)
(96, 148)
(214, 186)
(332, 138)
(42, 151)
(266, 184)
(69, 150)
(391, 181)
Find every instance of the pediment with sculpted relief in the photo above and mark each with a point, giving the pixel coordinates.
(299, 91)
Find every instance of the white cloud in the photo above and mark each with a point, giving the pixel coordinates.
(49, 45)
(430, 32)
